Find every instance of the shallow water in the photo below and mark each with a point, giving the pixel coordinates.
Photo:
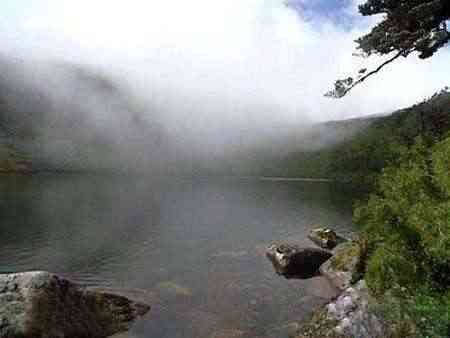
(192, 248)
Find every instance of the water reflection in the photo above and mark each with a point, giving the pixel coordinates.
(193, 248)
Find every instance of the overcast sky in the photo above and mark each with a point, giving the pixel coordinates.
(243, 60)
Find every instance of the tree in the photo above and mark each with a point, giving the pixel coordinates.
(408, 26)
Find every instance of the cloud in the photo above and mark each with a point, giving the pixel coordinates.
(235, 63)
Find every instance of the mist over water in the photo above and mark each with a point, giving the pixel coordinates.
(194, 249)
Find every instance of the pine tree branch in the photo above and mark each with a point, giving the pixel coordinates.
(362, 79)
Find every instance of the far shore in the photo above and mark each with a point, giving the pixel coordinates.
(292, 179)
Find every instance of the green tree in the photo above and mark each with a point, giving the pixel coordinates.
(408, 26)
(407, 233)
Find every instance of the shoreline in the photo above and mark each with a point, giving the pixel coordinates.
(353, 312)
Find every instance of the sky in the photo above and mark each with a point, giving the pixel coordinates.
(234, 62)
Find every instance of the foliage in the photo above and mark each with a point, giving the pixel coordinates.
(355, 150)
(407, 224)
(408, 26)
(423, 313)
(363, 157)
(387, 269)
(441, 164)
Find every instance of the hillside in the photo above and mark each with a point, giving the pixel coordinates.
(80, 119)
(47, 117)
(403, 246)
(72, 117)
(354, 150)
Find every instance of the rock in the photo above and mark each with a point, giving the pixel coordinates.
(288, 330)
(292, 329)
(321, 287)
(325, 238)
(293, 261)
(231, 333)
(342, 268)
(350, 315)
(42, 305)
(353, 316)
(172, 288)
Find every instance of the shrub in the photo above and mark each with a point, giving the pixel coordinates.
(407, 226)
(388, 269)
(441, 166)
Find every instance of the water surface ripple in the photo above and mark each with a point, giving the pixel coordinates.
(192, 248)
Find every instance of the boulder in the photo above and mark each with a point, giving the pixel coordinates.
(351, 315)
(293, 261)
(325, 238)
(343, 268)
(43, 305)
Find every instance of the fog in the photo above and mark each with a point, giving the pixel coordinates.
(159, 81)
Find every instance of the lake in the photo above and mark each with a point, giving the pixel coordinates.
(193, 248)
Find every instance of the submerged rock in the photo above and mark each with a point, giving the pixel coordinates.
(230, 254)
(325, 238)
(42, 305)
(293, 261)
(231, 333)
(172, 288)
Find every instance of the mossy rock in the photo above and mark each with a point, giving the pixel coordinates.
(325, 238)
(345, 256)
(344, 268)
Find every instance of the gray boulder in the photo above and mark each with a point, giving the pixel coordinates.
(342, 268)
(293, 261)
(353, 316)
(43, 305)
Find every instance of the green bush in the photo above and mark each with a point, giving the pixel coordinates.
(441, 166)
(388, 269)
(407, 225)
(422, 313)
(431, 312)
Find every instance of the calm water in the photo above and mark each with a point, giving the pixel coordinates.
(192, 248)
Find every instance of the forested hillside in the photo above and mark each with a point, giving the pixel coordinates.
(403, 162)
(364, 146)
(53, 127)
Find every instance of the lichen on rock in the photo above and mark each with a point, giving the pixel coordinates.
(325, 238)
